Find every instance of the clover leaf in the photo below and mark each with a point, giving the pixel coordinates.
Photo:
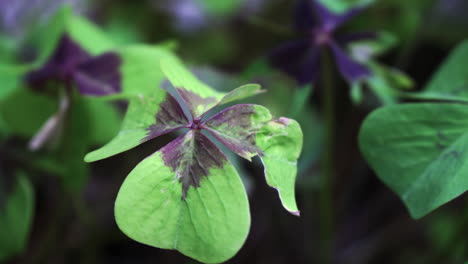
(420, 149)
(188, 196)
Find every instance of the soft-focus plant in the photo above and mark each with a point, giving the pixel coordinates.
(353, 53)
(187, 196)
(301, 58)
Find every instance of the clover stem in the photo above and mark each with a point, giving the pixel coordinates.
(327, 171)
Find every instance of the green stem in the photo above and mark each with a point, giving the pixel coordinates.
(327, 175)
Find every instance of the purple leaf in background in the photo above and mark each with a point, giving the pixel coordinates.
(348, 68)
(70, 64)
(61, 64)
(99, 75)
(301, 58)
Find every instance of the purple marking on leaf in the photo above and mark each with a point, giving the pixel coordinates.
(170, 117)
(193, 100)
(191, 156)
(69, 62)
(351, 70)
(300, 59)
(233, 127)
(61, 65)
(99, 75)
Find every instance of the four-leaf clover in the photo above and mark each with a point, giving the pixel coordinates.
(188, 196)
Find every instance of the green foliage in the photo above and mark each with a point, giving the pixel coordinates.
(420, 150)
(15, 218)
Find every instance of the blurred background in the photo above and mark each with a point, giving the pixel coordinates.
(226, 43)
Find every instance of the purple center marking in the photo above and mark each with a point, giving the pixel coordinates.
(196, 124)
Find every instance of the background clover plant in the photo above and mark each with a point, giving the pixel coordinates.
(301, 58)
(187, 196)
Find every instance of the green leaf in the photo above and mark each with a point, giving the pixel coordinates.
(420, 151)
(210, 224)
(141, 115)
(15, 219)
(281, 143)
